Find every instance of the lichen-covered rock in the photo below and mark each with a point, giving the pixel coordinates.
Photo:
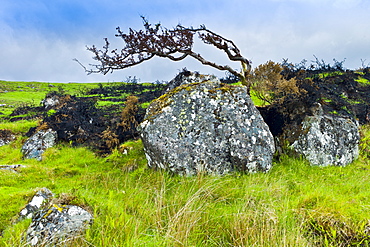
(36, 145)
(206, 127)
(39, 200)
(54, 222)
(57, 224)
(52, 100)
(186, 77)
(327, 140)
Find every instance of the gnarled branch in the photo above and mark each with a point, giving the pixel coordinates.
(175, 44)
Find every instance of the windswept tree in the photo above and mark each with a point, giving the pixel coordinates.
(175, 44)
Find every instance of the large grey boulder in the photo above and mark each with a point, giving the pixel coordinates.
(328, 140)
(36, 145)
(206, 127)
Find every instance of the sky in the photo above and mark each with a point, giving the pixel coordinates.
(40, 38)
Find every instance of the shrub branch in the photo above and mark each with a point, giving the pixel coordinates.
(175, 44)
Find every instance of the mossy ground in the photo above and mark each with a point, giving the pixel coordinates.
(292, 205)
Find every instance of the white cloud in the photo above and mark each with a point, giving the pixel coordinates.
(263, 30)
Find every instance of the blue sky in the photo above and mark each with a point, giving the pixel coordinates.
(40, 38)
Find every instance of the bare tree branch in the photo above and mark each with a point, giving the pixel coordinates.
(175, 44)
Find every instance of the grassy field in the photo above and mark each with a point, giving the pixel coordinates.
(292, 205)
(15, 94)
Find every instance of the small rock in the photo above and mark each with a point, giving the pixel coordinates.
(51, 100)
(36, 145)
(57, 223)
(327, 140)
(13, 168)
(53, 222)
(39, 200)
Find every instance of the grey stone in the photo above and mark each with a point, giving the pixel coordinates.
(186, 77)
(51, 101)
(328, 140)
(36, 145)
(39, 200)
(54, 222)
(206, 127)
(13, 168)
(6, 137)
(4, 142)
(57, 224)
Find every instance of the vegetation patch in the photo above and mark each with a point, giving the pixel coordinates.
(325, 229)
(363, 81)
(292, 205)
(329, 74)
(136, 206)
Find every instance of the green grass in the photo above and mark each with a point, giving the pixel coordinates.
(363, 81)
(292, 205)
(329, 74)
(42, 86)
(15, 94)
(326, 74)
(18, 127)
(256, 101)
(145, 105)
(136, 206)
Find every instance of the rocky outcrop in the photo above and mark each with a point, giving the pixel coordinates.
(36, 145)
(53, 223)
(206, 127)
(314, 130)
(327, 140)
(322, 138)
(57, 224)
(186, 77)
(38, 202)
(52, 100)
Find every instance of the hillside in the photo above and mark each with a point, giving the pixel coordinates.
(292, 205)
